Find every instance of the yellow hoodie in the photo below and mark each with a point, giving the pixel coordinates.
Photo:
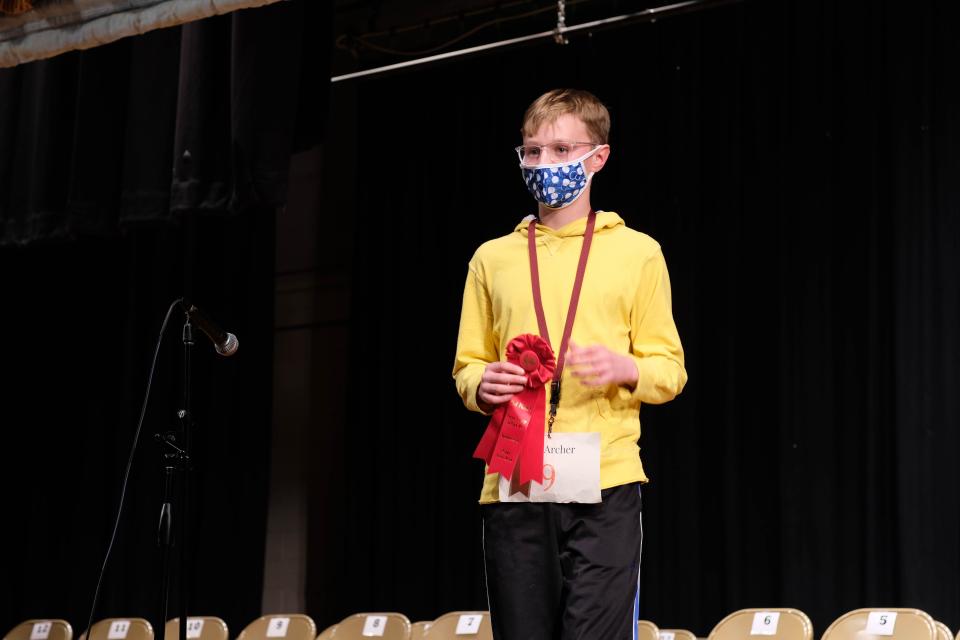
(624, 305)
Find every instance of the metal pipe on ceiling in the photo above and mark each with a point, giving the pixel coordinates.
(646, 15)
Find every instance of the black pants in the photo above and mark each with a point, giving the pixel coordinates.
(564, 571)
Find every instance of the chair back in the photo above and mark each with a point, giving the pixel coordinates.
(280, 626)
(943, 631)
(52, 629)
(676, 634)
(458, 625)
(418, 630)
(646, 630)
(198, 628)
(882, 624)
(327, 633)
(386, 625)
(120, 629)
(786, 624)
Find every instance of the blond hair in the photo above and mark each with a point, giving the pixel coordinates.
(582, 104)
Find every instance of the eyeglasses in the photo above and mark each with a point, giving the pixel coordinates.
(560, 151)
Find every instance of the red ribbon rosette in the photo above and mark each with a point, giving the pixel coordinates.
(515, 432)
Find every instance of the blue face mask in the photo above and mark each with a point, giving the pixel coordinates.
(557, 185)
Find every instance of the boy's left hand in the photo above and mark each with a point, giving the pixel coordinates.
(597, 366)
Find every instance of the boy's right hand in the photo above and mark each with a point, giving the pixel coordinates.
(500, 382)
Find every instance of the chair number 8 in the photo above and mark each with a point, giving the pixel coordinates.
(549, 476)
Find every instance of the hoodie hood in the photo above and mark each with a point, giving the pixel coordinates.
(605, 220)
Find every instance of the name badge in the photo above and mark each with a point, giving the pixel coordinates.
(571, 472)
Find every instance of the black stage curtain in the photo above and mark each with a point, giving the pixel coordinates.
(79, 327)
(798, 162)
(131, 175)
(200, 118)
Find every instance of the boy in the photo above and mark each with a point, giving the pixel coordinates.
(586, 306)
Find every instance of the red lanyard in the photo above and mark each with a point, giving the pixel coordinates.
(571, 311)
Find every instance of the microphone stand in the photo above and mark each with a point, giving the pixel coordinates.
(176, 462)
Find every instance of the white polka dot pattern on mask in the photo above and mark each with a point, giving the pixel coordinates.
(555, 186)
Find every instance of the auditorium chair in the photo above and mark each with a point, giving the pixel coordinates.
(359, 626)
(943, 631)
(461, 624)
(677, 634)
(198, 628)
(646, 630)
(327, 633)
(120, 629)
(906, 624)
(280, 626)
(418, 630)
(52, 629)
(786, 624)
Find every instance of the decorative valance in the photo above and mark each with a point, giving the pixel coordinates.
(36, 29)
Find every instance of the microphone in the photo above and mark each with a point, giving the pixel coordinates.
(225, 343)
